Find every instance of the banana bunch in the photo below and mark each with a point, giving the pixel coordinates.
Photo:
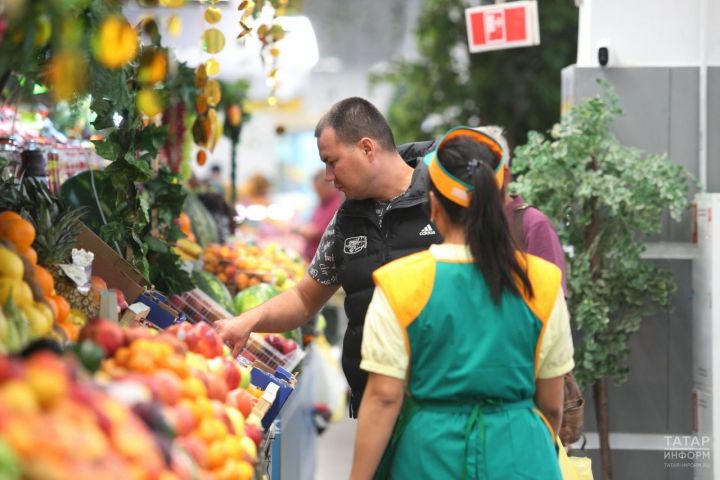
(187, 249)
(14, 328)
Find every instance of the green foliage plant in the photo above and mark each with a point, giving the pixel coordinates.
(445, 85)
(606, 199)
(139, 198)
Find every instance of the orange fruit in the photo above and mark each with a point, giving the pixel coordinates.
(45, 280)
(30, 254)
(140, 364)
(50, 302)
(116, 43)
(18, 231)
(9, 215)
(63, 307)
(72, 331)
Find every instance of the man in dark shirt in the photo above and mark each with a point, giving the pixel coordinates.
(383, 218)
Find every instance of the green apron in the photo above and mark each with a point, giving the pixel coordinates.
(469, 411)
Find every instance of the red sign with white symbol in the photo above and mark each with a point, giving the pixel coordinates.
(507, 25)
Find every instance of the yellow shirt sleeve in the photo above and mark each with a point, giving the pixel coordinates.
(383, 345)
(556, 351)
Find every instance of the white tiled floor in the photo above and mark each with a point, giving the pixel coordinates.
(334, 450)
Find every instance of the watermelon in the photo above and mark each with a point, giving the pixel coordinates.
(214, 288)
(202, 223)
(253, 296)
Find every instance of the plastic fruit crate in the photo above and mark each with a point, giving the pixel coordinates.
(198, 306)
(257, 349)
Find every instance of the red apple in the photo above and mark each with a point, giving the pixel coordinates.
(242, 400)
(275, 341)
(217, 388)
(185, 420)
(122, 303)
(254, 433)
(135, 333)
(210, 345)
(9, 368)
(178, 346)
(219, 410)
(289, 346)
(195, 447)
(249, 355)
(169, 387)
(232, 372)
(105, 333)
(179, 329)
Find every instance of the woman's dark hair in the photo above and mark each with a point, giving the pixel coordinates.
(486, 226)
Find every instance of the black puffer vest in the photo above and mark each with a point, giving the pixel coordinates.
(361, 246)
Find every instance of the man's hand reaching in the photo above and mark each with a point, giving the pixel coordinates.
(235, 332)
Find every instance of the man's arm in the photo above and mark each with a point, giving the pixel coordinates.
(286, 311)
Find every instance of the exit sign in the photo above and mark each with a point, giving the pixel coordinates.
(506, 25)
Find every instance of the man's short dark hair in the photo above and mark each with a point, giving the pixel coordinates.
(355, 118)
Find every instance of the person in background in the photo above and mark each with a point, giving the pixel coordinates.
(532, 230)
(534, 233)
(256, 190)
(329, 200)
(466, 343)
(384, 217)
(216, 183)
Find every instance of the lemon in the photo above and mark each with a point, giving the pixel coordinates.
(22, 294)
(39, 324)
(10, 265)
(17, 289)
(213, 15)
(46, 311)
(148, 102)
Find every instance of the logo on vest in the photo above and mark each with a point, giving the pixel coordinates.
(427, 230)
(354, 244)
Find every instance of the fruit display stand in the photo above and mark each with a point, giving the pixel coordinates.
(166, 404)
(293, 448)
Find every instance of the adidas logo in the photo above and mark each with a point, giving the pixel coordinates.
(427, 230)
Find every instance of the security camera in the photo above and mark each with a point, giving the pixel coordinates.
(603, 56)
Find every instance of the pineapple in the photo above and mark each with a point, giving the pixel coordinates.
(89, 304)
(57, 231)
(56, 227)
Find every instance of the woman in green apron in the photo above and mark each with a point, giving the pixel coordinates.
(466, 344)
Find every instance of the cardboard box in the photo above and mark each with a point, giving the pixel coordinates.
(113, 268)
(261, 379)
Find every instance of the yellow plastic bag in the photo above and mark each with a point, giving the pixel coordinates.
(573, 468)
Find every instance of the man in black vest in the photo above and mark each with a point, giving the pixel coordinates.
(384, 217)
